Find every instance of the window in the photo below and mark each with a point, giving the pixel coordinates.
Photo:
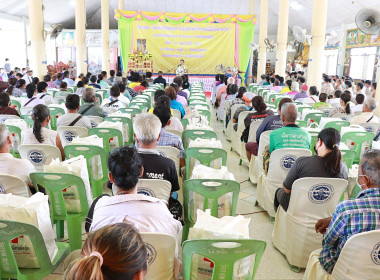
(362, 63)
(331, 61)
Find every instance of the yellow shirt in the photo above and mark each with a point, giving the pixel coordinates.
(134, 84)
(285, 90)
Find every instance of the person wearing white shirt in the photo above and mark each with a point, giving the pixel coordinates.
(67, 79)
(359, 89)
(359, 100)
(348, 87)
(113, 101)
(72, 118)
(20, 168)
(7, 66)
(367, 87)
(367, 116)
(32, 99)
(28, 77)
(42, 93)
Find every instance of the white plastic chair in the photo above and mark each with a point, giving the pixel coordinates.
(371, 127)
(3, 118)
(311, 199)
(220, 111)
(161, 255)
(281, 161)
(176, 113)
(39, 154)
(256, 166)
(14, 185)
(156, 188)
(26, 110)
(251, 138)
(344, 117)
(95, 120)
(229, 129)
(235, 137)
(109, 110)
(68, 133)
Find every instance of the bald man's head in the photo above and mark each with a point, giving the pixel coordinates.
(289, 113)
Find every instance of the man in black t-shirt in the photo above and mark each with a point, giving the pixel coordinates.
(147, 130)
(160, 79)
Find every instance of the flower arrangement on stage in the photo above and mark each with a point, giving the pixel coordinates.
(137, 56)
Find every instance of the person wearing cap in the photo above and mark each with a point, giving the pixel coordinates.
(28, 77)
(303, 93)
(247, 98)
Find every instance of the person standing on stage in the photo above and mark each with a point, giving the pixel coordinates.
(181, 68)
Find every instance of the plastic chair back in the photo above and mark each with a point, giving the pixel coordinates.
(205, 156)
(55, 185)
(176, 113)
(184, 123)
(91, 152)
(161, 255)
(194, 134)
(28, 119)
(132, 111)
(95, 120)
(109, 110)
(39, 154)
(108, 135)
(16, 104)
(337, 125)
(314, 117)
(55, 113)
(224, 253)
(127, 127)
(172, 153)
(3, 118)
(365, 247)
(348, 157)
(68, 133)
(10, 230)
(358, 142)
(16, 133)
(344, 117)
(14, 185)
(301, 123)
(157, 188)
(205, 113)
(26, 110)
(371, 127)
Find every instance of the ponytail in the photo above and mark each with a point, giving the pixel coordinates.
(332, 161)
(346, 97)
(88, 268)
(348, 109)
(39, 115)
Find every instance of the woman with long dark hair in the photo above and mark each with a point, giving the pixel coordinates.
(326, 163)
(12, 89)
(345, 105)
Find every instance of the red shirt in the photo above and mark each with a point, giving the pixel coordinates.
(140, 87)
(8, 111)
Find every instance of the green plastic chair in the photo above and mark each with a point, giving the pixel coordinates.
(16, 104)
(10, 230)
(301, 108)
(132, 111)
(55, 184)
(314, 138)
(70, 89)
(90, 151)
(107, 134)
(301, 123)
(140, 105)
(99, 98)
(272, 98)
(337, 125)
(355, 191)
(15, 131)
(28, 119)
(211, 190)
(55, 113)
(355, 140)
(205, 113)
(102, 92)
(197, 133)
(315, 117)
(348, 157)
(205, 156)
(125, 121)
(278, 99)
(184, 123)
(224, 253)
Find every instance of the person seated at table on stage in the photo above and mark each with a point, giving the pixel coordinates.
(185, 79)
(136, 80)
(147, 132)
(291, 135)
(10, 165)
(327, 163)
(160, 79)
(359, 100)
(178, 80)
(171, 92)
(335, 100)
(295, 89)
(302, 94)
(181, 68)
(42, 93)
(345, 105)
(5, 105)
(288, 85)
(367, 115)
(115, 252)
(12, 90)
(167, 138)
(115, 100)
(72, 118)
(351, 217)
(66, 78)
(141, 87)
(93, 83)
(322, 101)
(89, 98)
(39, 134)
(32, 99)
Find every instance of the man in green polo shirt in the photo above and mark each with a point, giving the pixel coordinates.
(291, 135)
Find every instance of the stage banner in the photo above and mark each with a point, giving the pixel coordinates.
(203, 46)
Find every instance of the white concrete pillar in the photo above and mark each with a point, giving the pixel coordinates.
(80, 36)
(263, 33)
(38, 54)
(105, 7)
(342, 51)
(318, 34)
(120, 5)
(282, 37)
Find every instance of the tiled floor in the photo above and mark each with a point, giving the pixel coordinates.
(273, 265)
